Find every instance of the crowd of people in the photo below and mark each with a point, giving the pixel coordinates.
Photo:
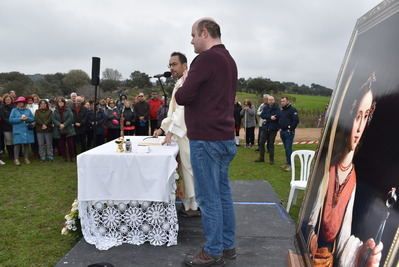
(272, 118)
(60, 126)
(64, 126)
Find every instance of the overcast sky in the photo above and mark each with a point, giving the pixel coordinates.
(302, 41)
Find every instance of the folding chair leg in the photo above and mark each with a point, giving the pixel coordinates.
(295, 197)
(292, 192)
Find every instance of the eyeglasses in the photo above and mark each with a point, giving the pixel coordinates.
(141, 96)
(172, 65)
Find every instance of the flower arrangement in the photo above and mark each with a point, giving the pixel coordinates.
(72, 222)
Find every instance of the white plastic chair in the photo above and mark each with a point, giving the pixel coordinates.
(305, 158)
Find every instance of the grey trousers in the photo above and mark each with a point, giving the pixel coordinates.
(45, 143)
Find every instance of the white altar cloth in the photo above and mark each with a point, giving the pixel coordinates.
(128, 197)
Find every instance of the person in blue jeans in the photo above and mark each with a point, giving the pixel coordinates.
(288, 121)
(208, 94)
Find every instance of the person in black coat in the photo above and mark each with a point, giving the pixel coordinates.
(112, 121)
(5, 112)
(80, 114)
(129, 118)
(237, 120)
(288, 121)
(100, 119)
(142, 110)
(268, 131)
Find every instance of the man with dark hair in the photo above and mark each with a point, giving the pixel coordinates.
(208, 95)
(174, 127)
(181, 56)
(142, 110)
(287, 121)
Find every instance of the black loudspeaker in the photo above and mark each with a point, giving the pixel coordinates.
(95, 71)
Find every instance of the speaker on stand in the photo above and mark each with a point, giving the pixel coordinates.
(95, 80)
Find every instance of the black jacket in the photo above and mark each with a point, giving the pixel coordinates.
(142, 109)
(266, 114)
(288, 118)
(128, 116)
(100, 121)
(5, 112)
(237, 115)
(80, 116)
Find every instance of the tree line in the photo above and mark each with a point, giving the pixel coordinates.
(48, 85)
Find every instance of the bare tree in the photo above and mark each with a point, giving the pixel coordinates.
(112, 74)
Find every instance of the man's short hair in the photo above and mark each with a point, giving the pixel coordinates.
(181, 56)
(286, 97)
(211, 26)
(266, 95)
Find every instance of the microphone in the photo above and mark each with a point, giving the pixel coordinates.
(166, 74)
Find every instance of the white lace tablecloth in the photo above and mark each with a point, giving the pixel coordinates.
(128, 197)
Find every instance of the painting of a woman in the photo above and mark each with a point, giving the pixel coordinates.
(330, 239)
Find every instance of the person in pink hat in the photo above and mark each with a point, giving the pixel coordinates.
(21, 119)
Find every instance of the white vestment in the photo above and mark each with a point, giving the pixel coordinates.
(174, 123)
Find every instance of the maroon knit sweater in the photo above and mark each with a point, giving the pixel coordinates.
(208, 95)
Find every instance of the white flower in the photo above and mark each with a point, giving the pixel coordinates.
(145, 204)
(122, 206)
(171, 214)
(135, 237)
(116, 237)
(134, 203)
(99, 205)
(176, 176)
(75, 205)
(64, 231)
(111, 218)
(145, 228)
(124, 229)
(157, 237)
(133, 217)
(166, 226)
(68, 217)
(156, 214)
(102, 230)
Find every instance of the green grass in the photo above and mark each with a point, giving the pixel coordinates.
(35, 198)
(244, 167)
(303, 102)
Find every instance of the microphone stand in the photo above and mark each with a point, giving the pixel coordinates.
(165, 103)
(164, 93)
(95, 116)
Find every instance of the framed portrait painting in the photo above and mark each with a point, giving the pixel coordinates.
(350, 214)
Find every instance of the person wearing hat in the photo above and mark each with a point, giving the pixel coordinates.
(22, 133)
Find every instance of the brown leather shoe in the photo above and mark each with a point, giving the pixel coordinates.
(204, 260)
(230, 254)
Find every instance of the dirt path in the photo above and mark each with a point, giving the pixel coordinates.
(301, 134)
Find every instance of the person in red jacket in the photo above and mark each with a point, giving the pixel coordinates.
(155, 104)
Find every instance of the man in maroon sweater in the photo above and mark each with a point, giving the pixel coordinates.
(208, 95)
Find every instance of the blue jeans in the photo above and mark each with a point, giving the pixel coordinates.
(288, 138)
(210, 161)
